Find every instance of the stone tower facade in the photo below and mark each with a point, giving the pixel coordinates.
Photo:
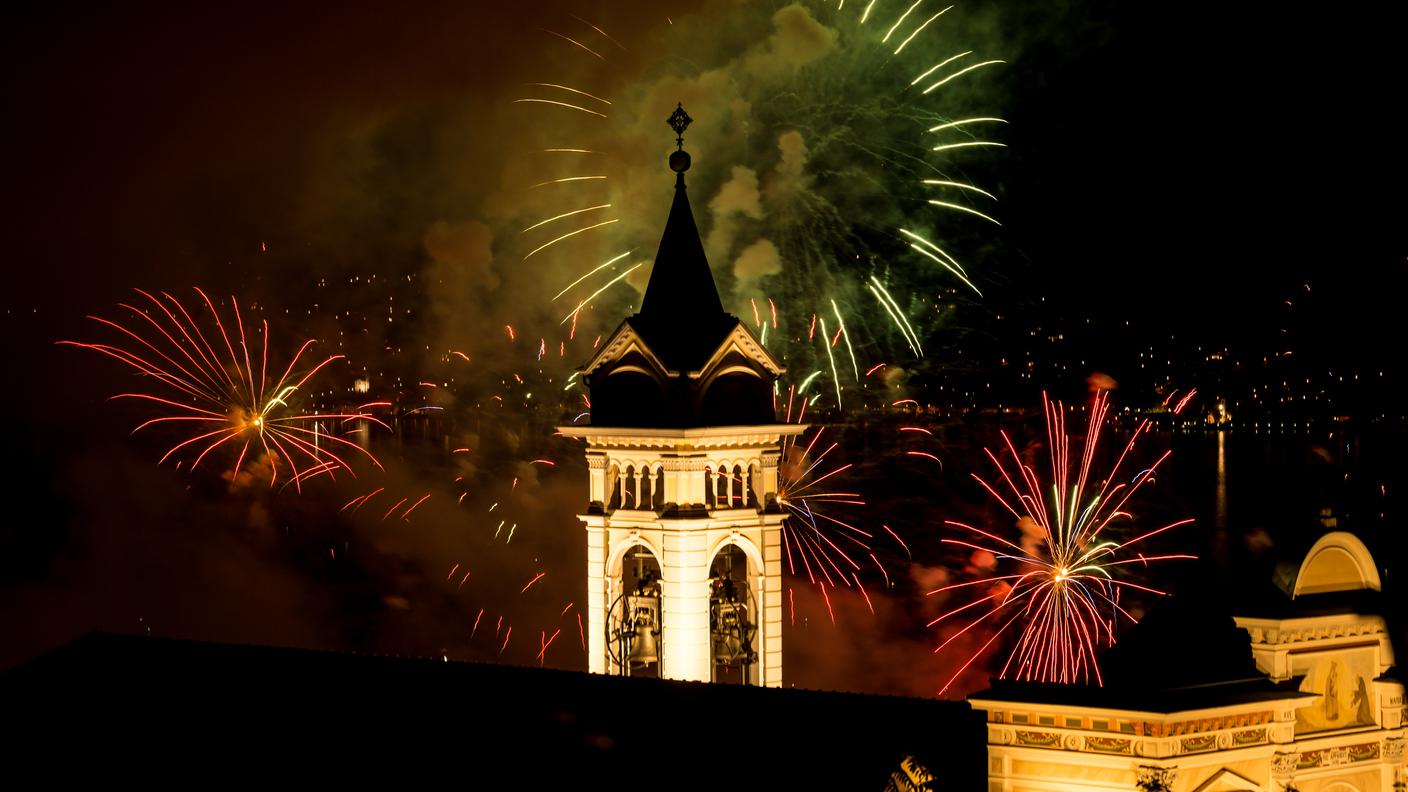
(684, 536)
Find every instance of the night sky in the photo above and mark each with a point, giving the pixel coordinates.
(1186, 167)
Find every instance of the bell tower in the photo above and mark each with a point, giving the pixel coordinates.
(684, 534)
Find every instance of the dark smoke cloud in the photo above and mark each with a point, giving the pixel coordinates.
(264, 150)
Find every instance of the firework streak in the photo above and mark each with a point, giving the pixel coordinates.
(836, 187)
(1060, 595)
(211, 381)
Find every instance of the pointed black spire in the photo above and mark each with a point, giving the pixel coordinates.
(681, 310)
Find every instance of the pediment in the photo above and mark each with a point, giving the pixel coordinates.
(1225, 780)
(623, 342)
(742, 341)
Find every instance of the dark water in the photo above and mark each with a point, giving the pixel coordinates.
(1262, 498)
(1257, 500)
(1253, 497)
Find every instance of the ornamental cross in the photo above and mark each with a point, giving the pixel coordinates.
(679, 121)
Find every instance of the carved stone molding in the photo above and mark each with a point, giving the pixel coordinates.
(1393, 749)
(1198, 743)
(1112, 745)
(1334, 756)
(1283, 765)
(1155, 779)
(1271, 635)
(1038, 739)
(1249, 737)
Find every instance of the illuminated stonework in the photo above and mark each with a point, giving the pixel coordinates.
(1341, 729)
(683, 496)
(684, 534)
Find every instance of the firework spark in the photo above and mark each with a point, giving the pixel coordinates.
(1061, 596)
(811, 535)
(213, 380)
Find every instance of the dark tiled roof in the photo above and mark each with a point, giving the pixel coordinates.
(1153, 698)
(1270, 602)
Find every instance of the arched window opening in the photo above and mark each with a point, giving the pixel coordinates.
(634, 634)
(733, 622)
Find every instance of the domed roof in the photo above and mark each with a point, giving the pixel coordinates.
(1338, 561)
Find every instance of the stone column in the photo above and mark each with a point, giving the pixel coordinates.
(596, 599)
(596, 477)
(684, 602)
(771, 606)
(768, 486)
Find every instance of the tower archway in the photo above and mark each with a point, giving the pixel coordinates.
(634, 628)
(734, 612)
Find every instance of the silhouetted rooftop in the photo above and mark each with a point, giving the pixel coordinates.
(547, 726)
(1183, 655)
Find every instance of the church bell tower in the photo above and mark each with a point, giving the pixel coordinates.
(684, 534)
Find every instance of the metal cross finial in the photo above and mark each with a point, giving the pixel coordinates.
(679, 121)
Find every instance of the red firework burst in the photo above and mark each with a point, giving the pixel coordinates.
(1061, 596)
(209, 382)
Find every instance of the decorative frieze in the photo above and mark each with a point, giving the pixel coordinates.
(1203, 742)
(1283, 765)
(1111, 745)
(1342, 755)
(1282, 634)
(1179, 728)
(601, 438)
(1249, 737)
(1035, 739)
(1393, 749)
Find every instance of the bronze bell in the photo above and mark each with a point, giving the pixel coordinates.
(645, 645)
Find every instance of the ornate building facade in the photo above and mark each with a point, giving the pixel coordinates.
(1294, 697)
(684, 535)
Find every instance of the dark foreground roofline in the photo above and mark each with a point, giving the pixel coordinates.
(155, 693)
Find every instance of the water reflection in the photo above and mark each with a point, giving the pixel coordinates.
(1219, 519)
